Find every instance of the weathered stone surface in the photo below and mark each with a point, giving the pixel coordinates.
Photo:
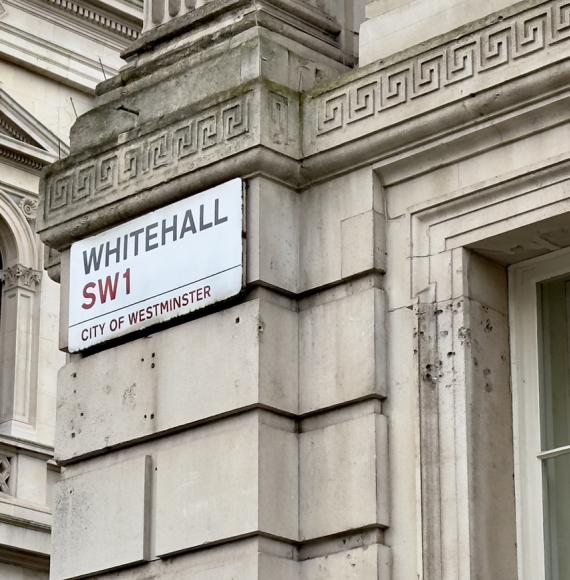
(230, 479)
(273, 213)
(362, 244)
(445, 69)
(241, 93)
(91, 504)
(351, 442)
(451, 172)
(247, 355)
(331, 245)
(342, 344)
(364, 563)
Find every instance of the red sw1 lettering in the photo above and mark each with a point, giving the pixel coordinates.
(105, 289)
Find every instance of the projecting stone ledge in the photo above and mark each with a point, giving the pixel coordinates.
(220, 100)
(236, 109)
(157, 165)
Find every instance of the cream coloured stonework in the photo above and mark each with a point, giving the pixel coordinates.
(350, 415)
(52, 54)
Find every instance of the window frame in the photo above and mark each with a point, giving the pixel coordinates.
(524, 278)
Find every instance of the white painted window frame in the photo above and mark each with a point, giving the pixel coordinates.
(525, 349)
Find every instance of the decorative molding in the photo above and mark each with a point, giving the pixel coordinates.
(29, 208)
(97, 17)
(69, 67)
(21, 197)
(496, 46)
(20, 276)
(23, 139)
(12, 130)
(5, 473)
(27, 124)
(191, 141)
(20, 159)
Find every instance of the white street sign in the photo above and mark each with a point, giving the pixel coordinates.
(164, 264)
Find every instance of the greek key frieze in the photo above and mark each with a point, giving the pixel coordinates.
(463, 58)
(148, 156)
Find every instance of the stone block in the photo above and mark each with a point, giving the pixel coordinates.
(487, 282)
(247, 355)
(91, 504)
(278, 476)
(254, 558)
(362, 563)
(342, 349)
(363, 245)
(231, 478)
(31, 479)
(343, 460)
(272, 234)
(324, 208)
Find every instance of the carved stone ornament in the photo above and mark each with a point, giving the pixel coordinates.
(21, 276)
(29, 207)
(5, 473)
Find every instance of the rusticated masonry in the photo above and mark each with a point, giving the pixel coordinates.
(104, 19)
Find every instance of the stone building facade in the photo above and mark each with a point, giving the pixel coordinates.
(387, 398)
(52, 55)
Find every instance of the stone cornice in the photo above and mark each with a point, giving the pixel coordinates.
(454, 67)
(295, 14)
(188, 141)
(99, 17)
(462, 79)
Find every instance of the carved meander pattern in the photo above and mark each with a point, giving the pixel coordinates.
(226, 128)
(149, 156)
(464, 58)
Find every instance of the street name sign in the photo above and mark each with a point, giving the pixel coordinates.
(165, 264)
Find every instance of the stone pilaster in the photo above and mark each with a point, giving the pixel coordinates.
(18, 348)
